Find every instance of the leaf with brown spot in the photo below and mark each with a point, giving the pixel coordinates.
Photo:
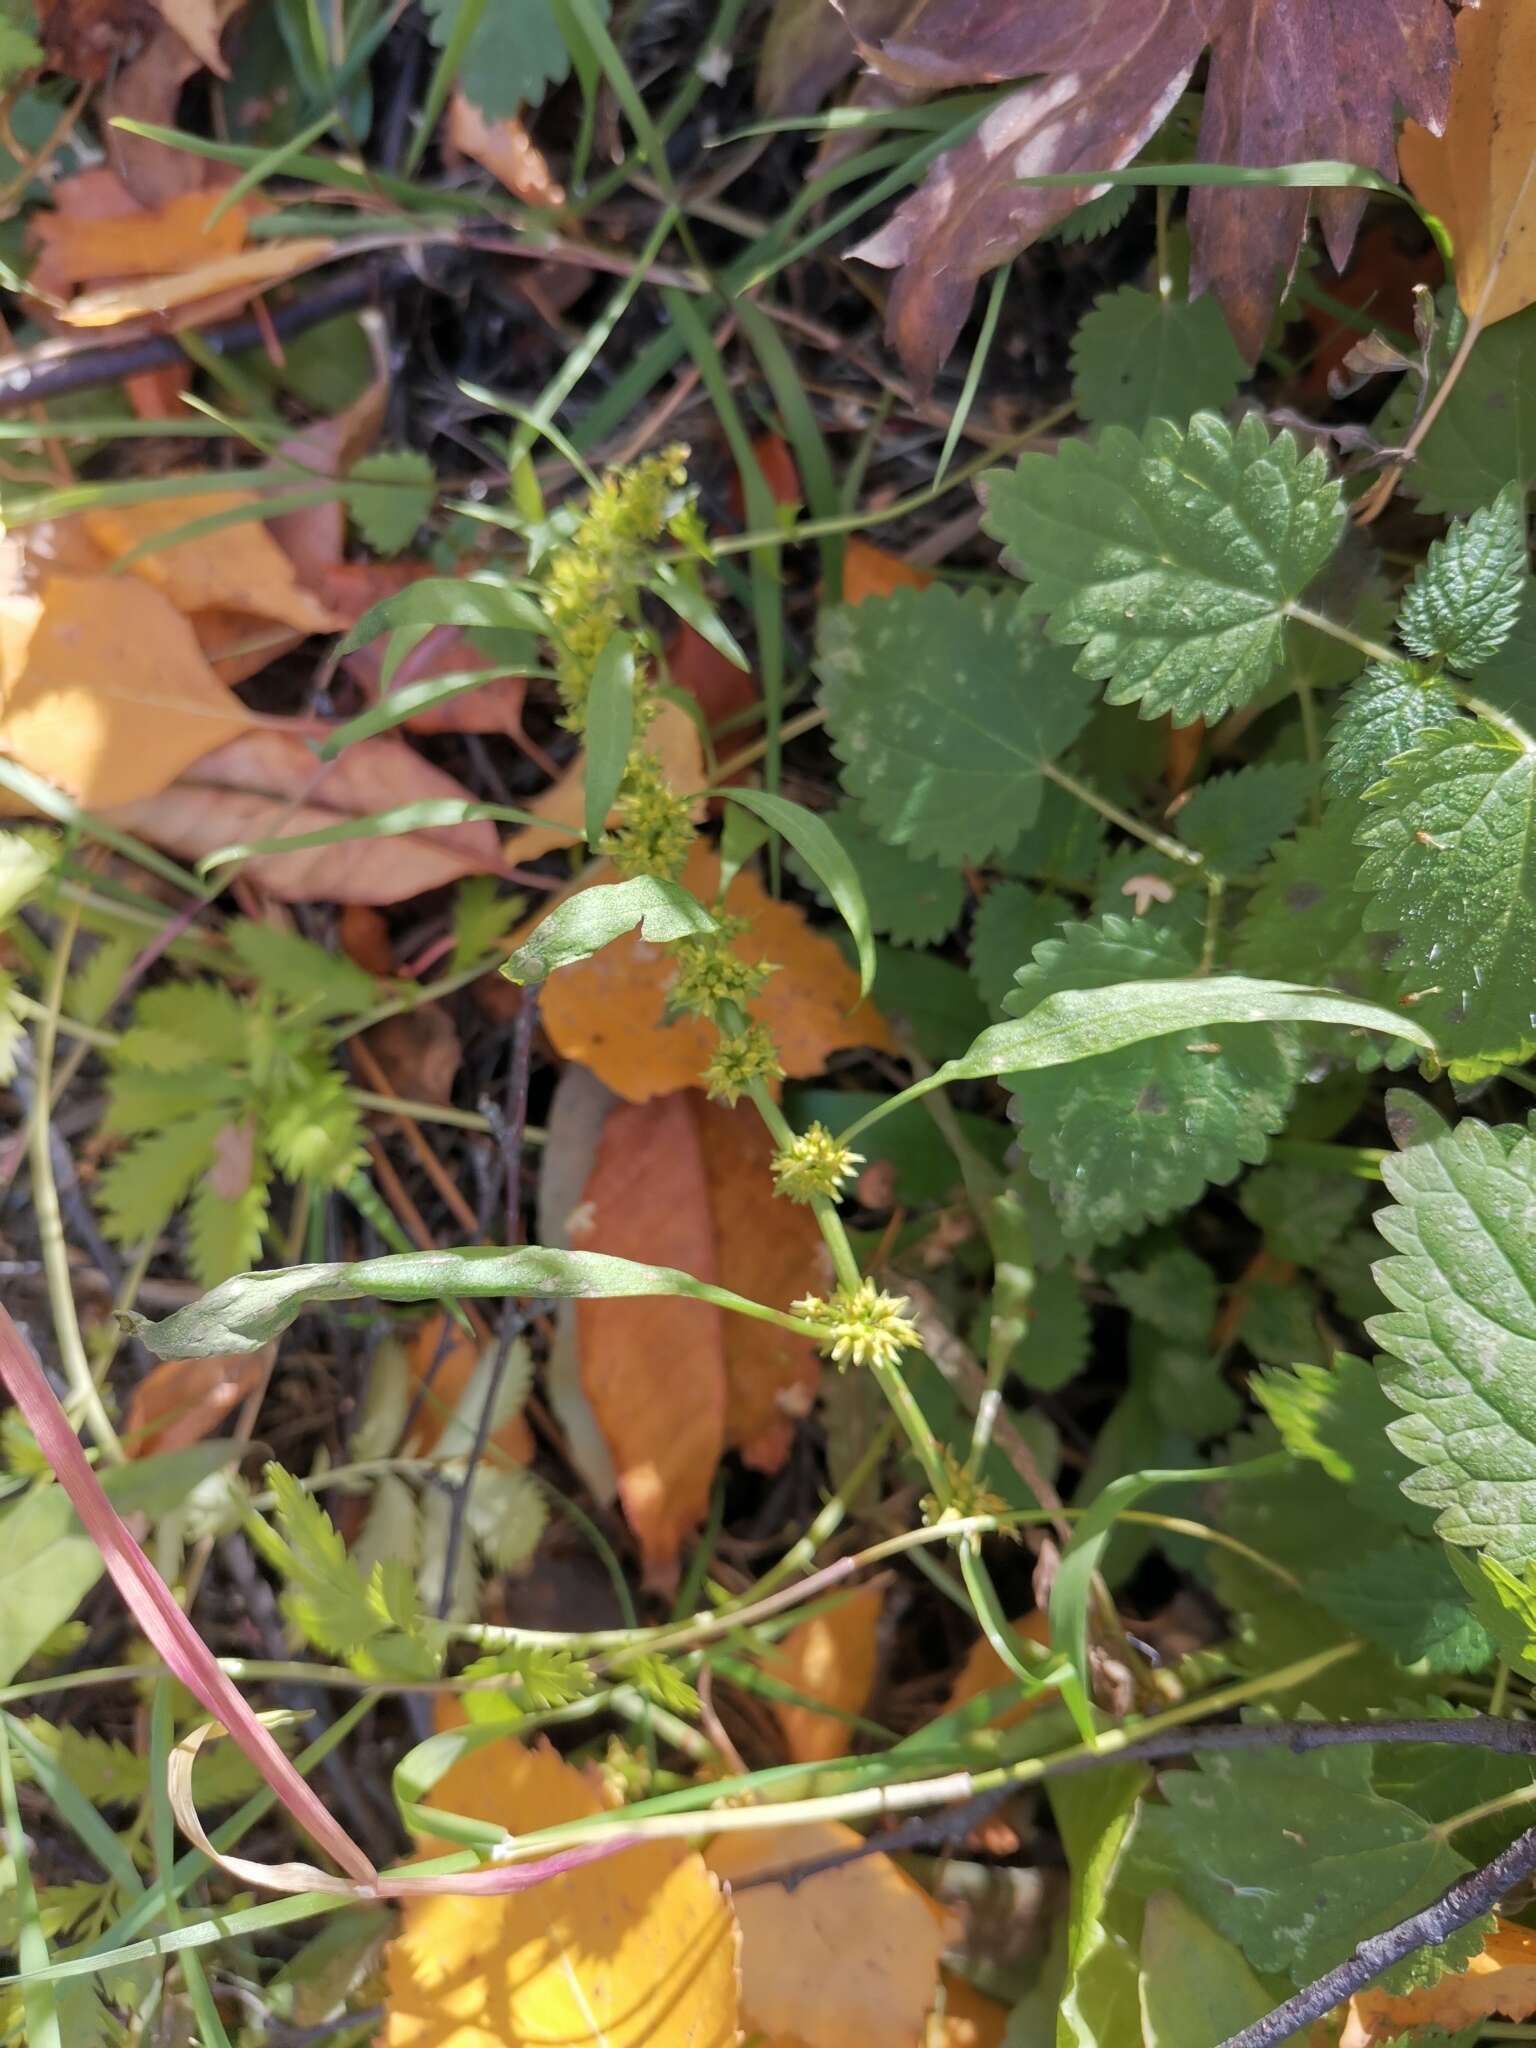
(609, 1011)
(636, 1951)
(1500, 1983)
(105, 690)
(848, 1959)
(831, 1657)
(269, 784)
(182, 1400)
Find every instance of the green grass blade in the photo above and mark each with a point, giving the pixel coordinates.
(37, 1998)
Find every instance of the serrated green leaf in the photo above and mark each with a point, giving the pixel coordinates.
(1301, 1213)
(1464, 600)
(141, 1101)
(1439, 1782)
(1407, 1598)
(543, 1679)
(224, 1232)
(1009, 922)
(944, 711)
(1383, 715)
(104, 1772)
(393, 1596)
(323, 984)
(1054, 1347)
(326, 1593)
(517, 51)
(314, 1131)
(1279, 1323)
(1175, 1292)
(1461, 1341)
(591, 919)
(508, 1512)
(1484, 435)
(915, 902)
(92, 989)
(149, 1179)
(1139, 356)
(483, 912)
(662, 1682)
(1065, 844)
(391, 492)
(24, 860)
(1136, 1133)
(1508, 681)
(1234, 820)
(210, 1022)
(1171, 558)
(1306, 920)
(1339, 1417)
(1295, 1858)
(1450, 867)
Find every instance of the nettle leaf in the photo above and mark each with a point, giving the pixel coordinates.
(1175, 1292)
(915, 902)
(1508, 680)
(1461, 1342)
(1484, 435)
(1407, 1598)
(1135, 1134)
(1440, 1781)
(389, 494)
(1382, 716)
(1171, 558)
(1295, 1858)
(1139, 356)
(944, 710)
(1465, 598)
(1301, 1213)
(1235, 819)
(515, 53)
(1339, 1416)
(1009, 922)
(1451, 869)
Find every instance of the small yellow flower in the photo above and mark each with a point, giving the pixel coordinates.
(741, 1058)
(710, 974)
(654, 830)
(861, 1325)
(813, 1166)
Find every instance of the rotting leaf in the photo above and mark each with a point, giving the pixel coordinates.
(1499, 1983)
(182, 1400)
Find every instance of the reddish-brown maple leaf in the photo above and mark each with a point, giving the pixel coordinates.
(1290, 81)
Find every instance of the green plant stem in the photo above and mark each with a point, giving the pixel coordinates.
(1161, 842)
(1507, 1802)
(83, 1389)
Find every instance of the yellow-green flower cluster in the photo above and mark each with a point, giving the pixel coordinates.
(710, 973)
(741, 1058)
(861, 1325)
(590, 580)
(654, 829)
(814, 1166)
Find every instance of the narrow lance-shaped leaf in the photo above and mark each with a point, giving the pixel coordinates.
(610, 729)
(817, 846)
(244, 1313)
(586, 922)
(446, 601)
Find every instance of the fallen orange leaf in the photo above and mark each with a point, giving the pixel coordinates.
(869, 571)
(970, 2019)
(672, 737)
(654, 1369)
(182, 1400)
(637, 1951)
(199, 23)
(245, 272)
(97, 231)
(717, 686)
(237, 568)
(1476, 175)
(983, 1669)
(269, 784)
(831, 1657)
(609, 1011)
(848, 1959)
(442, 1359)
(1500, 1982)
(105, 689)
(506, 150)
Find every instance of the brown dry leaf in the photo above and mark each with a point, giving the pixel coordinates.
(86, 39)
(869, 571)
(105, 690)
(506, 150)
(419, 1051)
(830, 1657)
(97, 230)
(983, 1669)
(1477, 176)
(608, 1012)
(442, 1359)
(970, 2018)
(246, 272)
(637, 1951)
(717, 686)
(199, 23)
(238, 569)
(849, 1959)
(269, 784)
(1501, 1982)
(654, 1369)
(182, 1400)
(672, 737)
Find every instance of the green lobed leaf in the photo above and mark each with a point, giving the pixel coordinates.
(1234, 820)
(1461, 1340)
(389, 494)
(944, 711)
(915, 902)
(1406, 1597)
(1171, 558)
(1054, 1348)
(1465, 598)
(1008, 923)
(1339, 1417)
(1174, 1292)
(586, 922)
(1450, 834)
(517, 50)
(1138, 356)
(1301, 1213)
(1295, 1858)
(145, 1182)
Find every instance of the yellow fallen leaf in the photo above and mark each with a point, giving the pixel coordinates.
(506, 150)
(849, 1959)
(970, 2019)
(198, 24)
(1501, 1981)
(236, 569)
(105, 690)
(638, 1951)
(983, 1669)
(247, 270)
(97, 230)
(1477, 175)
(609, 1011)
(830, 1657)
(672, 737)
